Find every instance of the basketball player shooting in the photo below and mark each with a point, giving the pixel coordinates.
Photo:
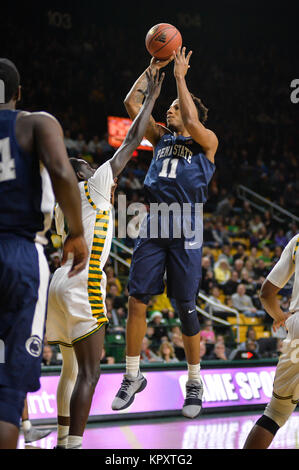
(180, 171)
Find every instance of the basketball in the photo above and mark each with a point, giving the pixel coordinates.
(162, 39)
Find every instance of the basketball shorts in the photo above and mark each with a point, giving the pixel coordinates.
(152, 258)
(24, 279)
(286, 381)
(76, 306)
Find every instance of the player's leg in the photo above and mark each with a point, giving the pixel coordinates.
(31, 433)
(9, 434)
(88, 353)
(275, 416)
(184, 270)
(23, 292)
(146, 279)
(65, 389)
(11, 406)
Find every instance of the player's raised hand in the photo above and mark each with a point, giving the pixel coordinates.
(157, 64)
(154, 83)
(77, 246)
(181, 62)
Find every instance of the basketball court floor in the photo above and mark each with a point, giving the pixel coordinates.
(207, 432)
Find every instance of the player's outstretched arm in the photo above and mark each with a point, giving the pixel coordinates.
(51, 150)
(134, 100)
(139, 125)
(205, 137)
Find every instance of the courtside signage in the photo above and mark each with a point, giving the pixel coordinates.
(165, 391)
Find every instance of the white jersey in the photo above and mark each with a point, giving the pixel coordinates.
(77, 304)
(284, 269)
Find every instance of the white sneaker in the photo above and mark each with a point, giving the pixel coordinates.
(126, 394)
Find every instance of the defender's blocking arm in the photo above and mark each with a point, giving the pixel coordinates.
(139, 125)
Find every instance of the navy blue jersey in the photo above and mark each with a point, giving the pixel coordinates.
(179, 172)
(26, 196)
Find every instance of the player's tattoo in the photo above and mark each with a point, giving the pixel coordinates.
(141, 91)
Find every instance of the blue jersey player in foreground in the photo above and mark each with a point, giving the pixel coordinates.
(179, 174)
(33, 159)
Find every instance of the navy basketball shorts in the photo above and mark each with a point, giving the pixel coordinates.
(152, 257)
(24, 279)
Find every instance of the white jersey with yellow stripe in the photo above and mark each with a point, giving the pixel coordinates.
(285, 268)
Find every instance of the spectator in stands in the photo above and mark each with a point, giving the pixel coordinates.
(240, 254)
(249, 351)
(226, 206)
(238, 266)
(112, 279)
(230, 287)
(256, 224)
(226, 253)
(48, 356)
(147, 355)
(244, 304)
(179, 351)
(162, 303)
(260, 269)
(280, 238)
(218, 353)
(215, 310)
(249, 268)
(222, 271)
(248, 282)
(207, 279)
(276, 256)
(203, 351)
(166, 352)
(115, 324)
(207, 333)
(158, 323)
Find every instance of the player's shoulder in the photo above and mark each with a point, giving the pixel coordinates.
(41, 118)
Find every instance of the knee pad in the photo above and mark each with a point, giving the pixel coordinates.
(189, 318)
(279, 410)
(144, 298)
(268, 424)
(11, 405)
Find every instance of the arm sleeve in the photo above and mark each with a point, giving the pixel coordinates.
(284, 268)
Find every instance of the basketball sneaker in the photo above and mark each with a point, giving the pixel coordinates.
(35, 434)
(126, 394)
(193, 401)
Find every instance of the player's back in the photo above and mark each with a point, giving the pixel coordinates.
(26, 196)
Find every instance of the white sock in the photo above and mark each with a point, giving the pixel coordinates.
(132, 365)
(194, 372)
(26, 425)
(62, 435)
(74, 442)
